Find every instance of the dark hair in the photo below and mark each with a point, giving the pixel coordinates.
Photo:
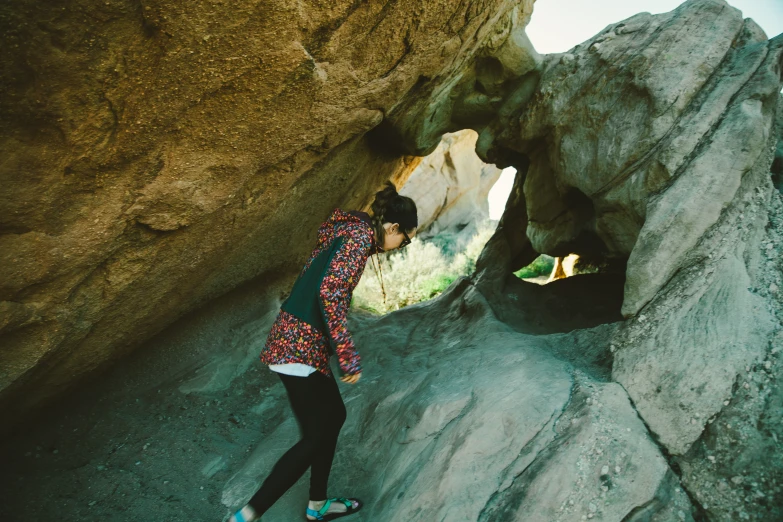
(390, 207)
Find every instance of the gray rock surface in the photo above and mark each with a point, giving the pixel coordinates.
(639, 138)
(625, 153)
(482, 424)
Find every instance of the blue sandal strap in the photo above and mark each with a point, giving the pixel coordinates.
(348, 503)
(239, 517)
(319, 515)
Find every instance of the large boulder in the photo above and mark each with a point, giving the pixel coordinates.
(652, 143)
(156, 156)
(638, 138)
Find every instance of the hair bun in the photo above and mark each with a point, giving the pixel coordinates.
(390, 206)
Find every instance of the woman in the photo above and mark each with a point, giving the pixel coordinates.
(310, 327)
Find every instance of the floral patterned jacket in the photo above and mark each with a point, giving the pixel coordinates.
(320, 299)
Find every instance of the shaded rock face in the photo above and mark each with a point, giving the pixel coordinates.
(156, 156)
(451, 186)
(777, 164)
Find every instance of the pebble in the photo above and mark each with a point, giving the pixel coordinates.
(617, 469)
(711, 458)
(737, 479)
(604, 470)
(746, 386)
(92, 503)
(767, 364)
(138, 462)
(773, 288)
(725, 403)
(101, 468)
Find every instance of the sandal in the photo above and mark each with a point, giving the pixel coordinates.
(322, 515)
(238, 516)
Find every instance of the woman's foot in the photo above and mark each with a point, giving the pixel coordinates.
(334, 507)
(247, 513)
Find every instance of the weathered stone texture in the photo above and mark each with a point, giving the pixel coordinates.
(450, 186)
(156, 155)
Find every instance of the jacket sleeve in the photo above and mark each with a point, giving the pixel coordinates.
(336, 290)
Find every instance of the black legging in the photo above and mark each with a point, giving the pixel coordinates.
(320, 411)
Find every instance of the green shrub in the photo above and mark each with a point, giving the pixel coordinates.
(541, 266)
(421, 271)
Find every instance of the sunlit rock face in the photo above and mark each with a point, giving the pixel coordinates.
(157, 155)
(640, 137)
(653, 143)
(451, 186)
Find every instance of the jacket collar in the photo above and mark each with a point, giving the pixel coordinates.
(364, 216)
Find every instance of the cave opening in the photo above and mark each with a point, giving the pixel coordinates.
(463, 202)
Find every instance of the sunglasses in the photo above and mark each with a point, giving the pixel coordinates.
(405, 241)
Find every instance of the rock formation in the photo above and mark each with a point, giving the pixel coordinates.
(157, 156)
(652, 395)
(653, 142)
(450, 186)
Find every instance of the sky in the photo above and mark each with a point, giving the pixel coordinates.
(559, 25)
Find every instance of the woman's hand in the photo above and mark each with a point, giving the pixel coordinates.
(351, 379)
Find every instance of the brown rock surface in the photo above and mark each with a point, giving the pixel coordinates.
(156, 156)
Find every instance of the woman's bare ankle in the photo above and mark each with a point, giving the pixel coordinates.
(316, 504)
(334, 507)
